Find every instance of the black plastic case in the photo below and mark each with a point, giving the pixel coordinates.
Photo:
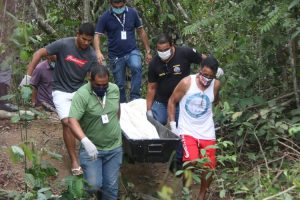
(151, 150)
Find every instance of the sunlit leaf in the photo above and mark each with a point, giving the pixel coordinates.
(236, 115)
(222, 193)
(29, 180)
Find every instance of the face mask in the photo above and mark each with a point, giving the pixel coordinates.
(164, 55)
(118, 11)
(205, 81)
(52, 65)
(100, 91)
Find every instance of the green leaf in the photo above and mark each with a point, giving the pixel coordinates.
(222, 194)
(29, 180)
(41, 196)
(24, 55)
(7, 97)
(264, 112)
(54, 155)
(236, 115)
(226, 106)
(28, 195)
(179, 172)
(17, 151)
(15, 119)
(254, 116)
(27, 151)
(203, 152)
(26, 93)
(293, 4)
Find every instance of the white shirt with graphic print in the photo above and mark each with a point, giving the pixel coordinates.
(196, 117)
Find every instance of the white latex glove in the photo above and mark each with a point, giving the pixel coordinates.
(220, 72)
(149, 113)
(173, 127)
(25, 80)
(90, 148)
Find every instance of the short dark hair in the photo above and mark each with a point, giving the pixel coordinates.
(99, 70)
(211, 63)
(117, 1)
(164, 38)
(87, 29)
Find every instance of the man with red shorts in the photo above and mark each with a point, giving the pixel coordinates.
(196, 94)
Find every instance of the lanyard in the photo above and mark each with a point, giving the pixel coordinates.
(104, 100)
(122, 24)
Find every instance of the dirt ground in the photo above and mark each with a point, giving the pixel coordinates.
(144, 179)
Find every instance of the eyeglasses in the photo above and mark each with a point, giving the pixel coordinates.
(207, 76)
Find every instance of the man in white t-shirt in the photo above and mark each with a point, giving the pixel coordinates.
(196, 95)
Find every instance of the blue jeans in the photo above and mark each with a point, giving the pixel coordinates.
(102, 174)
(118, 67)
(160, 113)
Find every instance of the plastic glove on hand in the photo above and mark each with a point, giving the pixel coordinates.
(149, 113)
(220, 72)
(173, 127)
(25, 80)
(90, 148)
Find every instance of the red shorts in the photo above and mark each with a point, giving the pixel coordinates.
(192, 147)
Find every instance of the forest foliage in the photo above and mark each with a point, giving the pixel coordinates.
(257, 44)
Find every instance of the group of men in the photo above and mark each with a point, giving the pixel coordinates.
(90, 111)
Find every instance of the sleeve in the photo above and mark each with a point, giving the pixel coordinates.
(137, 20)
(152, 76)
(100, 26)
(55, 47)
(78, 105)
(36, 76)
(192, 55)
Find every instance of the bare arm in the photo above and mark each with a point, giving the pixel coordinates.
(151, 90)
(76, 128)
(119, 112)
(217, 87)
(143, 35)
(97, 47)
(33, 96)
(37, 56)
(176, 96)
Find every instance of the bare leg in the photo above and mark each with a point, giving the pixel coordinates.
(205, 183)
(70, 143)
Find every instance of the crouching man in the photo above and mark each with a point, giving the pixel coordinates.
(94, 120)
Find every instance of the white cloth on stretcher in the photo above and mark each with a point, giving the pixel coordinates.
(134, 120)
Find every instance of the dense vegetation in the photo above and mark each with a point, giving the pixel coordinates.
(257, 44)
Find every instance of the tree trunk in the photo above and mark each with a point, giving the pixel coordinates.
(293, 58)
(86, 11)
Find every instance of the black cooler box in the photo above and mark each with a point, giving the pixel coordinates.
(151, 150)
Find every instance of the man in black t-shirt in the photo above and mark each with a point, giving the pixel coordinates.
(167, 68)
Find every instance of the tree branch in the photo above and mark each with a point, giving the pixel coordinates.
(280, 193)
(41, 22)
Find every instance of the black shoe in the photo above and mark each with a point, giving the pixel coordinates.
(8, 107)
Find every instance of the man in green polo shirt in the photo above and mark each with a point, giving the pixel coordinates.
(94, 120)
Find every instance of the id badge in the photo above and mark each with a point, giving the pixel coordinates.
(123, 35)
(105, 119)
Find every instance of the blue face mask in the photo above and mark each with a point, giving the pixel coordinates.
(100, 91)
(118, 11)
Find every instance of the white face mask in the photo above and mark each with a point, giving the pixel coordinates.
(164, 55)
